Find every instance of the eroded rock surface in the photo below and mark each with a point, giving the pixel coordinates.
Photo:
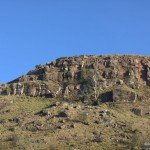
(97, 78)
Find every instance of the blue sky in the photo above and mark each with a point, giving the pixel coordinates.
(38, 31)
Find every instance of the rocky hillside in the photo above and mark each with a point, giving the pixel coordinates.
(78, 103)
(90, 79)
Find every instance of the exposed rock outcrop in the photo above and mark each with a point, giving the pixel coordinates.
(96, 78)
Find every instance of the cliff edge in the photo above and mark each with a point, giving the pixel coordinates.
(88, 78)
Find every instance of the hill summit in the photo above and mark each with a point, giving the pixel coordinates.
(88, 78)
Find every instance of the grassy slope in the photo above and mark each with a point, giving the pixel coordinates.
(84, 128)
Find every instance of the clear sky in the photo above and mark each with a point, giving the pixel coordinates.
(37, 31)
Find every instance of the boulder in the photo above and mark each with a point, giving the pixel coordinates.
(63, 114)
(137, 111)
(122, 94)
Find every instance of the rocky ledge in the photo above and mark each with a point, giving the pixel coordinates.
(91, 79)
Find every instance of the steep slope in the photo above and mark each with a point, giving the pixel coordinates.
(86, 78)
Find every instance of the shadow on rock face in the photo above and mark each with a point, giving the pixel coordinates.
(106, 97)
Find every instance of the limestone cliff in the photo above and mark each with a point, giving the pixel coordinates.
(87, 78)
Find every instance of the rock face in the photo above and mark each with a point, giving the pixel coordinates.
(87, 78)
